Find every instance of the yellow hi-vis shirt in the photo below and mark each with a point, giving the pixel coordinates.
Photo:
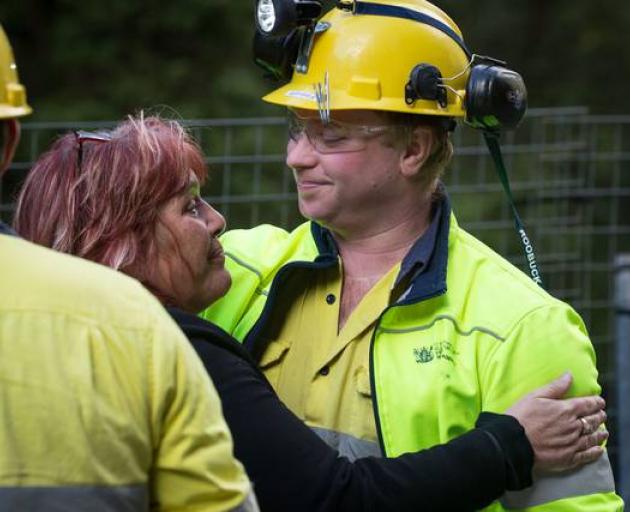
(313, 366)
(104, 406)
(469, 333)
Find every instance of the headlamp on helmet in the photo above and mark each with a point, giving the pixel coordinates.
(284, 35)
(280, 17)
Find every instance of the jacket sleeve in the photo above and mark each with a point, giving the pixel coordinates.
(194, 468)
(544, 344)
(293, 469)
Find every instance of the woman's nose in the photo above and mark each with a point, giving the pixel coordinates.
(215, 221)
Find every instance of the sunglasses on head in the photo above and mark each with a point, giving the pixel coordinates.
(82, 136)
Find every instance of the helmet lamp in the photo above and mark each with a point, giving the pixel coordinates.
(280, 17)
(265, 16)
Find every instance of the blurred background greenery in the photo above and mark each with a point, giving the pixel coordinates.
(92, 59)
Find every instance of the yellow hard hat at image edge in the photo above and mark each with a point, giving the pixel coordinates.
(13, 102)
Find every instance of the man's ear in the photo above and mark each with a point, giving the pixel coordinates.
(9, 140)
(417, 152)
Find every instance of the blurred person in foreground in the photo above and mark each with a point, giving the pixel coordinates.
(104, 405)
(132, 202)
(381, 322)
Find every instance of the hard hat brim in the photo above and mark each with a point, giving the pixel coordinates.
(8, 112)
(294, 95)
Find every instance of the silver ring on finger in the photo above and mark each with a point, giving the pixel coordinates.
(586, 427)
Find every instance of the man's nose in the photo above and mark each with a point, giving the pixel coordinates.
(301, 153)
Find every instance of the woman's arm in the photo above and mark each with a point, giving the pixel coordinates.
(293, 469)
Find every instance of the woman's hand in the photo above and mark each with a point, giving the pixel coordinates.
(564, 433)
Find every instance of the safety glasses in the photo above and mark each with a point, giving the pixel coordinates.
(334, 136)
(83, 136)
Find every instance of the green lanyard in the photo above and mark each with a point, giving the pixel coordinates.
(492, 140)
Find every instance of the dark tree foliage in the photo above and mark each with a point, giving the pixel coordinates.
(100, 60)
(570, 53)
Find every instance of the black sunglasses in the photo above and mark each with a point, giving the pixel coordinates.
(83, 136)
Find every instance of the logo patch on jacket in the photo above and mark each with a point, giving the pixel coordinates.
(442, 350)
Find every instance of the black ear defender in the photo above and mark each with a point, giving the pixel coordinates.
(496, 97)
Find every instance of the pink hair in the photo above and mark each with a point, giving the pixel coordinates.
(106, 210)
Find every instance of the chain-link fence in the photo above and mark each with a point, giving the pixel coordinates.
(570, 175)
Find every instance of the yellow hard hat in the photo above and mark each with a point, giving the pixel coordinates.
(369, 57)
(12, 92)
(393, 55)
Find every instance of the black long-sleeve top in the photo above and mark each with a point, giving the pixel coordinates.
(292, 469)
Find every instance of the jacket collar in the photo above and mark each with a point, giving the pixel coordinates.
(324, 240)
(424, 266)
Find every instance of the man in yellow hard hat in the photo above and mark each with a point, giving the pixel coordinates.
(381, 322)
(105, 406)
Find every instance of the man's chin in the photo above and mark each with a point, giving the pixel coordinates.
(309, 212)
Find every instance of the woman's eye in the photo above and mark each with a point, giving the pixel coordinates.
(193, 207)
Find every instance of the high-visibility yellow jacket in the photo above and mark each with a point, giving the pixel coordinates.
(471, 333)
(104, 406)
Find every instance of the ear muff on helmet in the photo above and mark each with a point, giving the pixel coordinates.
(496, 97)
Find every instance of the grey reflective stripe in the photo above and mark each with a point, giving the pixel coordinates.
(249, 505)
(121, 498)
(593, 478)
(240, 262)
(347, 445)
(444, 317)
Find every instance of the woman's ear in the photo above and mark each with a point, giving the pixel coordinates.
(418, 150)
(9, 139)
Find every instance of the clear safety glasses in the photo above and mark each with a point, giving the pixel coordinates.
(334, 136)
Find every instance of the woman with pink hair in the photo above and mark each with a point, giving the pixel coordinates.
(130, 199)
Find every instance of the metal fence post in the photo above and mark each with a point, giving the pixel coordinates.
(622, 355)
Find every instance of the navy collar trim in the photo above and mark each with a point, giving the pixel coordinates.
(324, 240)
(429, 280)
(425, 264)
(418, 257)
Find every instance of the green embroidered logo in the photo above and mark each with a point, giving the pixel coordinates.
(442, 350)
(423, 355)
